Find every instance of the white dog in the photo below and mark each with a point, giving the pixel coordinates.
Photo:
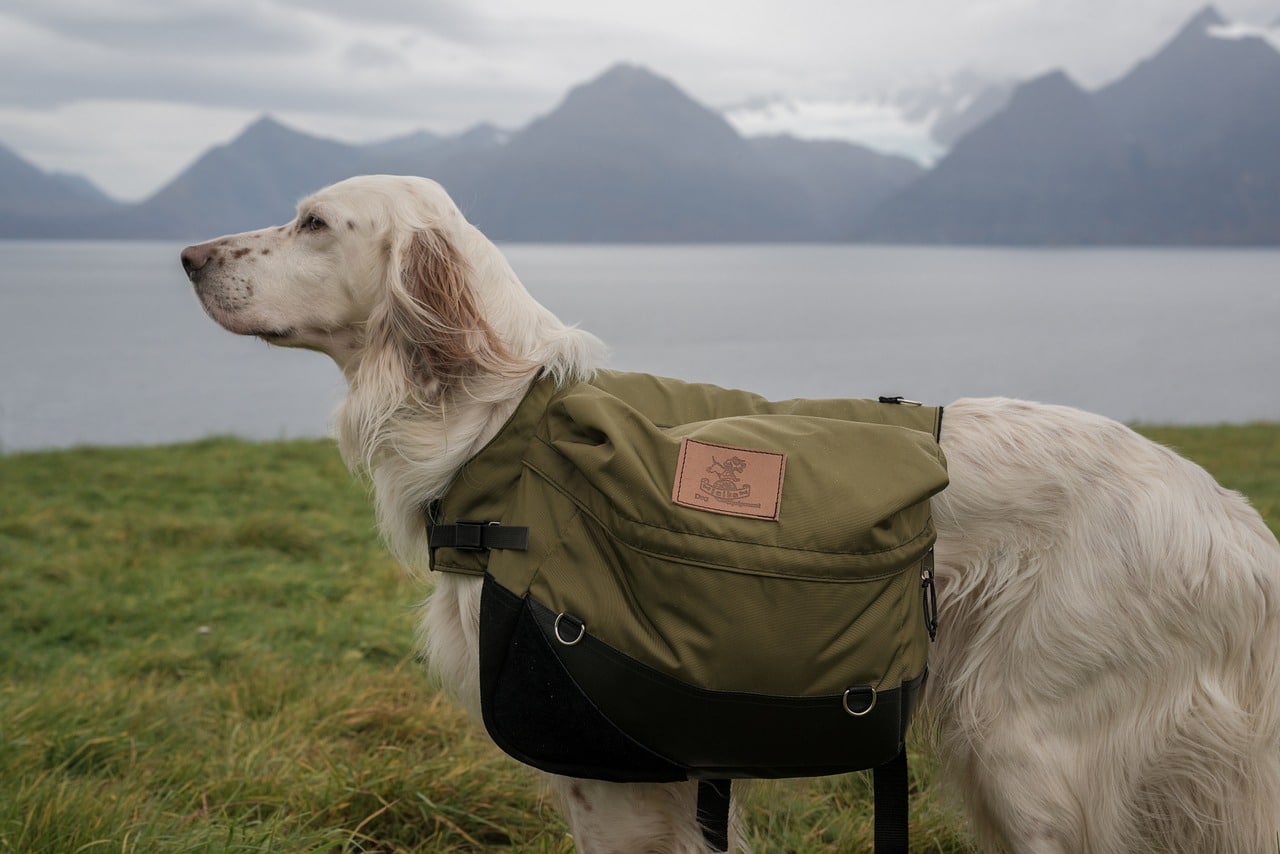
(1105, 678)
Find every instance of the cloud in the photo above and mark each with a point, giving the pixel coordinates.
(129, 158)
(57, 53)
(369, 55)
(463, 23)
(167, 30)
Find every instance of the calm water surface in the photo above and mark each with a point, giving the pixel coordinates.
(104, 343)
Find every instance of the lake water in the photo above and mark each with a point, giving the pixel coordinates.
(104, 342)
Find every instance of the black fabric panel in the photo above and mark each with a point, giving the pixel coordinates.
(726, 734)
(535, 712)
(589, 711)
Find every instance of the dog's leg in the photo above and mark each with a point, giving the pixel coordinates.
(1186, 800)
(633, 818)
(1215, 780)
(1041, 800)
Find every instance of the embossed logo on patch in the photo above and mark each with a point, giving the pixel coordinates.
(725, 479)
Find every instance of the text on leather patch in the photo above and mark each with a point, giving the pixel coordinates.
(725, 479)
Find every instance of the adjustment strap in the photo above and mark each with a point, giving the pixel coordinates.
(891, 790)
(713, 813)
(471, 536)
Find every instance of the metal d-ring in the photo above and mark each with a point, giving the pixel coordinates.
(844, 701)
(582, 628)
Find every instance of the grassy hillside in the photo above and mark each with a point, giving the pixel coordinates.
(204, 648)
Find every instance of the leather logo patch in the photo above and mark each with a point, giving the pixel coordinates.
(724, 479)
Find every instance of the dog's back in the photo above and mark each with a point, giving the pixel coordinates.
(1105, 677)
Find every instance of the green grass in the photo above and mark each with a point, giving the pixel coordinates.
(205, 648)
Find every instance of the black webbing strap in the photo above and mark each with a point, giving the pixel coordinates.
(477, 536)
(890, 784)
(713, 813)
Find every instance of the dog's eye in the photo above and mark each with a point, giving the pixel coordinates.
(313, 223)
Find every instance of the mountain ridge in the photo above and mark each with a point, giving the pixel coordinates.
(628, 156)
(683, 173)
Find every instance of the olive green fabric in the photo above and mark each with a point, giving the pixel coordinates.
(824, 597)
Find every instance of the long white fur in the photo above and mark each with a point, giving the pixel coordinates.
(1105, 677)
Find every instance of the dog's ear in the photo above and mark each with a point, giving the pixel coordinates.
(439, 318)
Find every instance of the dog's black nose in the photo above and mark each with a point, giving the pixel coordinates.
(194, 259)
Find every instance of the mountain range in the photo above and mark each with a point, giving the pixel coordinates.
(1183, 149)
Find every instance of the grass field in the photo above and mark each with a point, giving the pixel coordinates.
(204, 648)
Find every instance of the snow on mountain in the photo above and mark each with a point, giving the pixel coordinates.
(925, 121)
(1236, 30)
(920, 121)
(878, 125)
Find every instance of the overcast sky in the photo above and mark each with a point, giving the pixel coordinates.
(130, 92)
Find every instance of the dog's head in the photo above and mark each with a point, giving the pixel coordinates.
(374, 267)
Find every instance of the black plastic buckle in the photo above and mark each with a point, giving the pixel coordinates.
(469, 535)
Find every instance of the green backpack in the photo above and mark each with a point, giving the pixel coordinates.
(687, 581)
